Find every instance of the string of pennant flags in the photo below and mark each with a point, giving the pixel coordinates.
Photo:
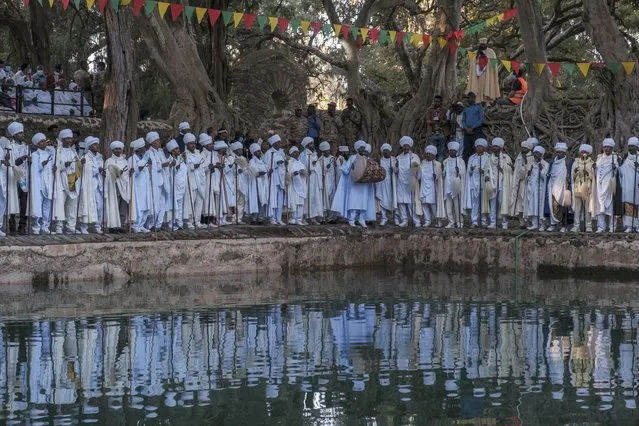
(452, 40)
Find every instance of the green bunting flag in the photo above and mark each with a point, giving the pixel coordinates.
(570, 68)
(327, 29)
(115, 4)
(354, 32)
(188, 11)
(383, 36)
(614, 66)
(76, 3)
(494, 62)
(295, 24)
(261, 21)
(227, 16)
(149, 7)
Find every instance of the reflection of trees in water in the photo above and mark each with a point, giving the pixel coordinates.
(330, 358)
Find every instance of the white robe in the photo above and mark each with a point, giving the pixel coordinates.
(62, 190)
(211, 182)
(407, 173)
(505, 179)
(386, 190)
(536, 188)
(258, 186)
(157, 175)
(473, 182)
(41, 180)
(629, 177)
(297, 188)
(605, 184)
(328, 177)
(177, 185)
(277, 178)
(17, 175)
(353, 195)
(116, 182)
(519, 187)
(454, 169)
(314, 206)
(196, 183)
(141, 186)
(557, 183)
(431, 190)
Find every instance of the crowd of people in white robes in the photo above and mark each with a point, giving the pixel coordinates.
(212, 183)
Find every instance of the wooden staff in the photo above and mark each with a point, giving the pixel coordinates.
(497, 198)
(481, 178)
(150, 164)
(634, 194)
(324, 200)
(188, 183)
(131, 182)
(55, 178)
(459, 219)
(7, 197)
(308, 185)
(77, 208)
(237, 201)
(223, 188)
(270, 176)
(29, 206)
(173, 195)
(208, 193)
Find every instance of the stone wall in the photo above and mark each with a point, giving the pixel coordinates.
(256, 250)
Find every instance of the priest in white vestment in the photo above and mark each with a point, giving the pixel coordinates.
(454, 171)
(158, 174)
(605, 186)
(141, 197)
(296, 177)
(501, 169)
(518, 187)
(116, 188)
(327, 178)
(582, 176)
(41, 185)
(257, 185)
(194, 198)
(629, 174)
(478, 184)
(18, 177)
(314, 207)
(91, 188)
(211, 179)
(274, 160)
(557, 186)
(386, 190)
(67, 183)
(407, 172)
(241, 179)
(431, 192)
(177, 186)
(536, 189)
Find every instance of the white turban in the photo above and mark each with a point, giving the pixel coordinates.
(274, 139)
(633, 141)
(205, 139)
(116, 145)
(540, 149)
(255, 147)
(481, 142)
(431, 149)
(184, 126)
(386, 147)
(171, 145)
(37, 138)
(359, 144)
(406, 140)
(368, 148)
(609, 142)
(498, 142)
(236, 145)
(561, 147)
(219, 145)
(343, 148)
(585, 147)
(527, 144)
(453, 146)
(533, 141)
(137, 144)
(306, 141)
(152, 137)
(15, 128)
(324, 146)
(91, 140)
(65, 133)
(293, 149)
(189, 138)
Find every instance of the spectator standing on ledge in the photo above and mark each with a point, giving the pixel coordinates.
(82, 77)
(314, 124)
(473, 122)
(351, 122)
(297, 127)
(438, 126)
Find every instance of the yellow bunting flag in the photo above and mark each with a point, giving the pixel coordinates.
(337, 28)
(392, 35)
(442, 41)
(471, 55)
(501, 17)
(125, 2)
(50, 3)
(584, 67)
(237, 18)
(493, 20)
(629, 67)
(90, 4)
(272, 20)
(162, 8)
(539, 68)
(305, 25)
(507, 64)
(199, 13)
(416, 39)
(364, 32)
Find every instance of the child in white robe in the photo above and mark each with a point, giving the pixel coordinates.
(297, 187)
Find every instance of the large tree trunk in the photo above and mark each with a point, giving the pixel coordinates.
(120, 116)
(620, 97)
(175, 53)
(439, 77)
(40, 25)
(218, 67)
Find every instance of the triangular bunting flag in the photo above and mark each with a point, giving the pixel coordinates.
(89, 3)
(539, 68)
(400, 36)
(442, 42)
(500, 17)
(76, 3)
(101, 4)
(327, 29)
(125, 2)
(295, 24)
(115, 4)
(188, 11)
(493, 20)
(26, 3)
(416, 39)
(272, 21)
(509, 14)
(426, 39)
(162, 8)
(345, 30)
(569, 68)
(392, 34)
(137, 6)
(261, 21)
(506, 64)
(199, 13)
(237, 18)
(373, 34)
(452, 46)
(383, 36)
(462, 50)
(304, 25)
(227, 16)
(337, 28)
(316, 26)
(471, 55)
(494, 62)
(249, 20)
(515, 65)
(408, 37)
(282, 23)
(614, 66)
(629, 67)
(554, 68)
(364, 32)
(149, 7)
(214, 15)
(65, 4)
(176, 10)
(584, 67)
(354, 32)
(51, 4)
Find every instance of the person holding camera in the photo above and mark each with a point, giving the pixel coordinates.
(438, 126)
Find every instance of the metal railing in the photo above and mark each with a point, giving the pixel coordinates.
(59, 102)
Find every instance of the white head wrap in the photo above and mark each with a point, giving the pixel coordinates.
(293, 149)
(585, 147)
(236, 145)
(73, 85)
(431, 149)
(368, 148)
(90, 140)
(116, 145)
(274, 139)
(481, 142)
(188, 138)
(406, 140)
(609, 142)
(37, 138)
(205, 139)
(359, 144)
(171, 145)
(184, 126)
(219, 145)
(386, 147)
(498, 142)
(307, 140)
(15, 128)
(137, 144)
(343, 148)
(453, 146)
(540, 149)
(65, 133)
(533, 141)
(152, 137)
(255, 147)
(561, 147)
(633, 141)
(324, 146)
(527, 144)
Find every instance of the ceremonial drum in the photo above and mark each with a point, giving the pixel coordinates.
(367, 171)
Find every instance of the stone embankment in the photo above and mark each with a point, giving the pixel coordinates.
(249, 250)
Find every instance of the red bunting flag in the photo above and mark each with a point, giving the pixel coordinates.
(554, 68)
(249, 20)
(426, 39)
(345, 30)
(399, 37)
(214, 14)
(283, 24)
(176, 10)
(510, 14)
(452, 46)
(102, 5)
(26, 2)
(137, 6)
(373, 34)
(515, 65)
(316, 26)
(65, 4)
